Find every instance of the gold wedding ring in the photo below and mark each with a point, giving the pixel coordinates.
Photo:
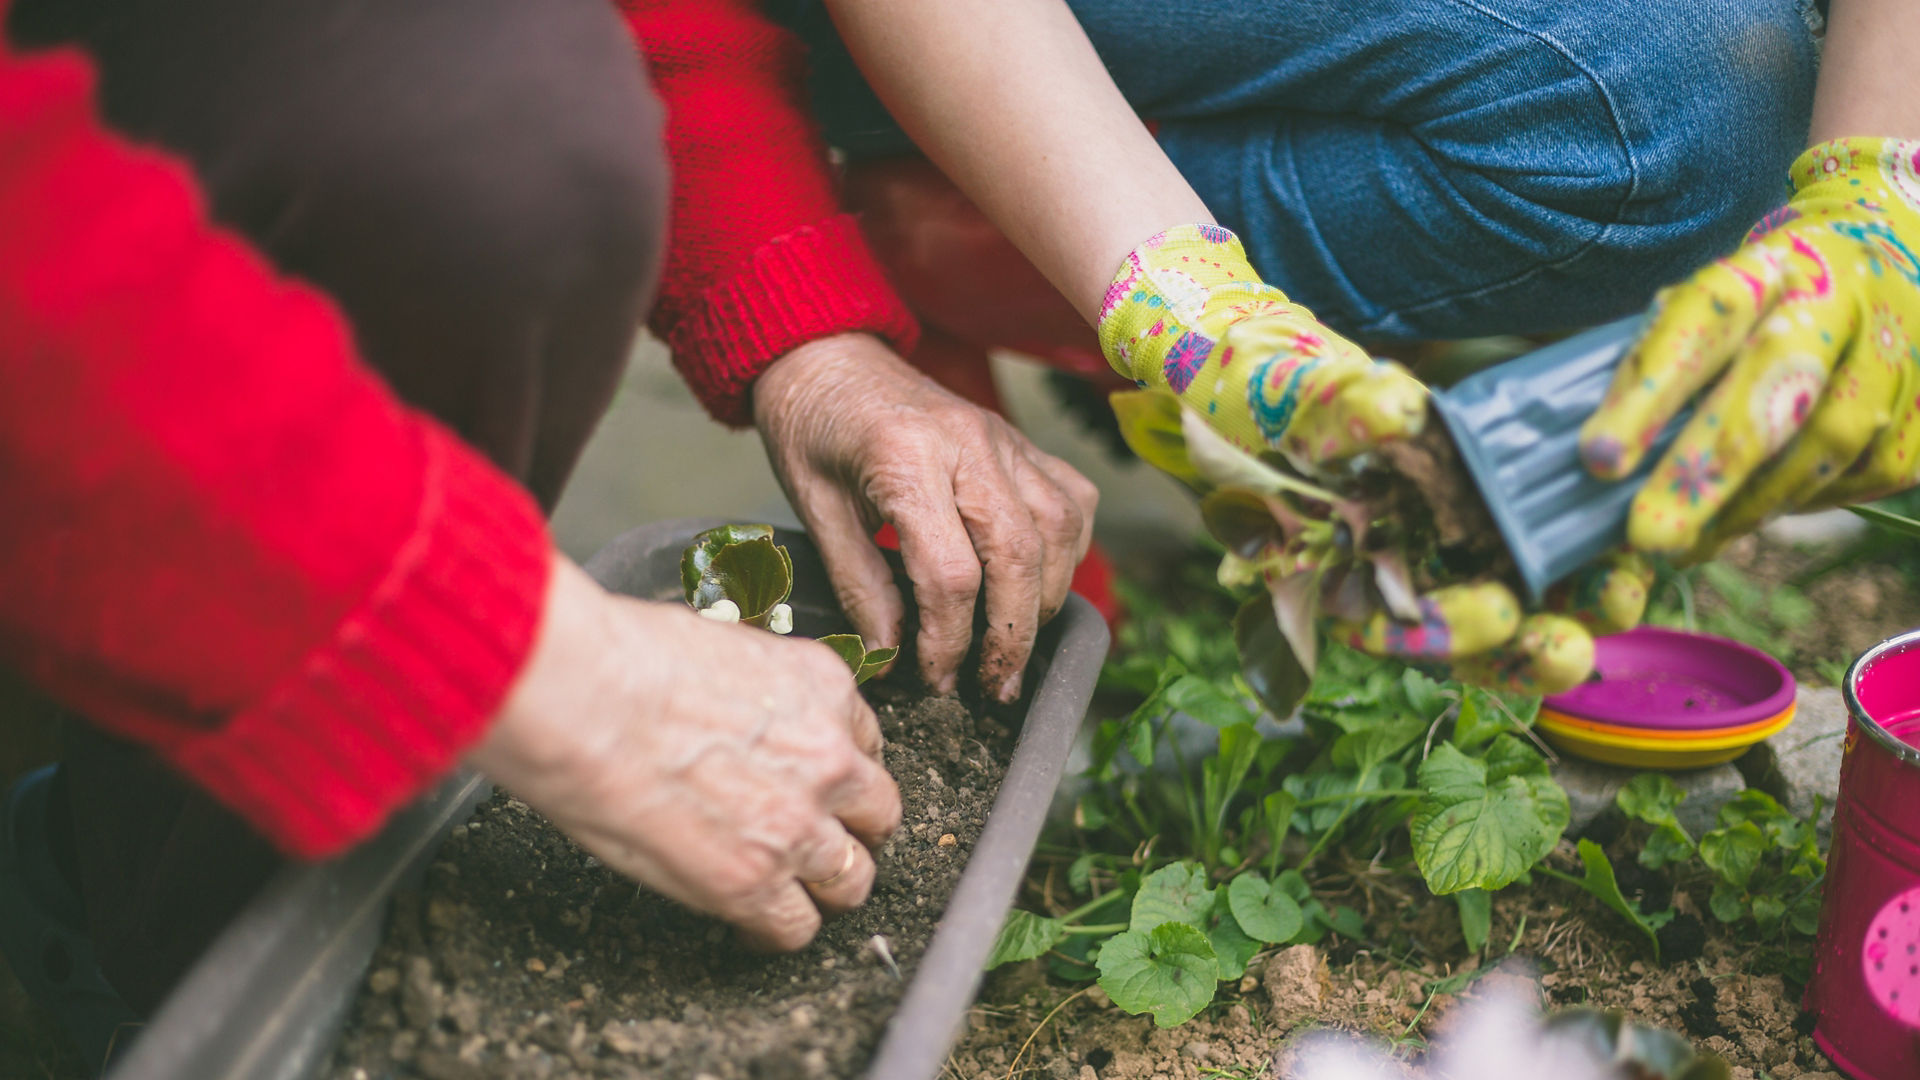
(852, 845)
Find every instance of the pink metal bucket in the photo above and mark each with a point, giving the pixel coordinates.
(1865, 993)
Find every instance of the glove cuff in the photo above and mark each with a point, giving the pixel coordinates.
(1173, 297)
(1865, 161)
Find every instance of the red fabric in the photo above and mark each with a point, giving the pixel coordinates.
(220, 534)
(760, 257)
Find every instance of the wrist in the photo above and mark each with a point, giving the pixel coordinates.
(580, 655)
(1172, 298)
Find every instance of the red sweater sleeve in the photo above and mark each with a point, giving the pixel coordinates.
(761, 260)
(220, 534)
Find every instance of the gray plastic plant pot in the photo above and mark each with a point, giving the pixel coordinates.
(1517, 426)
(269, 998)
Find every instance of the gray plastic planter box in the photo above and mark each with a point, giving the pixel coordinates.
(270, 996)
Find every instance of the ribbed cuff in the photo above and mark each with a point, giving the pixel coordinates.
(814, 282)
(410, 679)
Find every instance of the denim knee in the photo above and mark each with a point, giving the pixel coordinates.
(1714, 103)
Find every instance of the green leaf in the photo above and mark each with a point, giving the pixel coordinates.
(1175, 893)
(1276, 816)
(1476, 917)
(1478, 721)
(1242, 521)
(1769, 912)
(1222, 774)
(1080, 874)
(1169, 972)
(1205, 702)
(1509, 755)
(874, 662)
(1668, 845)
(1468, 833)
(755, 574)
(1150, 424)
(1347, 923)
(1264, 911)
(1728, 903)
(1370, 746)
(1266, 660)
(698, 556)
(1602, 885)
(1734, 852)
(1892, 522)
(1024, 936)
(1232, 946)
(1651, 797)
(1294, 884)
(1423, 694)
(853, 652)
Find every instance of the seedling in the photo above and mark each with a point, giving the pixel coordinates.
(1346, 553)
(736, 573)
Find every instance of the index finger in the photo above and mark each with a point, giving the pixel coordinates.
(1696, 327)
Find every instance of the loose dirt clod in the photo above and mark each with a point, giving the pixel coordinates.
(522, 956)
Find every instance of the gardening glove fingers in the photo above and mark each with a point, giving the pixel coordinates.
(1858, 404)
(1188, 313)
(1608, 596)
(1760, 403)
(1549, 655)
(1456, 621)
(1832, 274)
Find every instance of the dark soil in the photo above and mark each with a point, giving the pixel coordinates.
(522, 956)
(1730, 997)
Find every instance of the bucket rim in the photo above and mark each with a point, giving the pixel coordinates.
(1899, 748)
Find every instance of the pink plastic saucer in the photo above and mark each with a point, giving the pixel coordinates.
(1673, 680)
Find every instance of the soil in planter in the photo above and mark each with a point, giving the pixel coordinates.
(522, 956)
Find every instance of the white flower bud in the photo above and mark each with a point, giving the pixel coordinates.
(780, 619)
(722, 610)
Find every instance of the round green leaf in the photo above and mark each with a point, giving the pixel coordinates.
(1169, 972)
(1469, 834)
(1023, 937)
(1176, 893)
(1263, 911)
(699, 555)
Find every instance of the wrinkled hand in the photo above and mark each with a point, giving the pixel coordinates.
(1189, 314)
(1806, 336)
(728, 768)
(859, 438)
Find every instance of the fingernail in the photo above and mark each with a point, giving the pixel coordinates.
(1010, 689)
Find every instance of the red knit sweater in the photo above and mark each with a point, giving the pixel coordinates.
(221, 534)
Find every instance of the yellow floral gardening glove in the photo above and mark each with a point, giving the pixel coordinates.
(1806, 336)
(1187, 313)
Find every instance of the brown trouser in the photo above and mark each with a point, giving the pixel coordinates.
(479, 184)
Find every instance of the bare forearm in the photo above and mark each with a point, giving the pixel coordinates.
(1869, 84)
(1010, 100)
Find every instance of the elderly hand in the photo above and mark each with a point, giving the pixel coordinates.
(1806, 336)
(1189, 314)
(728, 768)
(859, 438)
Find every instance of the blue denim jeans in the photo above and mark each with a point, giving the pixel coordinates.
(1445, 168)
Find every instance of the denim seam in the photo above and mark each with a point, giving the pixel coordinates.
(1626, 150)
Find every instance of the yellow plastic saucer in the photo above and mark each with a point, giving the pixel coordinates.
(1645, 750)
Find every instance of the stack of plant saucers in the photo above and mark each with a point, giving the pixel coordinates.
(1670, 699)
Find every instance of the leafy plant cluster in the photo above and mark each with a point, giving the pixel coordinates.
(1202, 818)
(1764, 861)
(1761, 863)
(736, 573)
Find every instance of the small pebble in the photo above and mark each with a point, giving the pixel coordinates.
(536, 965)
(948, 839)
